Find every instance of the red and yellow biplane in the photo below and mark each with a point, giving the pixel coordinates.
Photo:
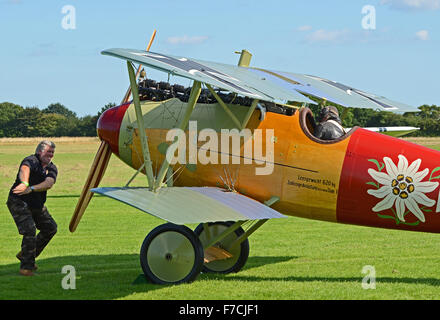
(363, 178)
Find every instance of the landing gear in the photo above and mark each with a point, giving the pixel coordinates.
(231, 256)
(171, 254)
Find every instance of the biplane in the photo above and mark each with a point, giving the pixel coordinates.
(362, 178)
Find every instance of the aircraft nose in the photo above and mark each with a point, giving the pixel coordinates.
(109, 124)
(390, 183)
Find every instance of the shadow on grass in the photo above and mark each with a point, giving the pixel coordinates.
(97, 277)
(105, 277)
(253, 262)
(64, 196)
(73, 196)
(425, 281)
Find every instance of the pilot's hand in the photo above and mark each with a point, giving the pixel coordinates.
(21, 189)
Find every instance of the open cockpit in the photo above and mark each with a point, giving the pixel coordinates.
(309, 126)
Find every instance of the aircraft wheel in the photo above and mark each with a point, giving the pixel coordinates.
(171, 254)
(240, 253)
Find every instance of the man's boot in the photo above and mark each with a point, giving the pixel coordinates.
(19, 258)
(26, 272)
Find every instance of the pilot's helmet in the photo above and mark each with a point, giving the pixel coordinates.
(328, 112)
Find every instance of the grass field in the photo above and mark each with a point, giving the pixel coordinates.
(289, 258)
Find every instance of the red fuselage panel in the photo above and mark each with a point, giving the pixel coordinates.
(389, 183)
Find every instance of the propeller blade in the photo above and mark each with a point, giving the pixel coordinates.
(96, 173)
(99, 165)
(128, 93)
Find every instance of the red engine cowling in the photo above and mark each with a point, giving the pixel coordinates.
(109, 124)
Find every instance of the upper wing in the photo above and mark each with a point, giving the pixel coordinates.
(267, 85)
(219, 75)
(182, 205)
(335, 92)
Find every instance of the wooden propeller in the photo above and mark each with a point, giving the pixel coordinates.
(98, 167)
(96, 173)
(128, 93)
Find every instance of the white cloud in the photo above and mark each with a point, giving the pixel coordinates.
(187, 40)
(351, 37)
(328, 36)
(422, 35)
(429, 5)
(304, 28)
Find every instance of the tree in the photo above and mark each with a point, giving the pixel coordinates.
(51, 125)
(27, 122)
(106, 107)
(86, 126)
(8, 113)
(58, 108)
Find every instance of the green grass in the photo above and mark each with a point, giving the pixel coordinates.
(289, 258)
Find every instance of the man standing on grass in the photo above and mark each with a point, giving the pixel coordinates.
(36, 175)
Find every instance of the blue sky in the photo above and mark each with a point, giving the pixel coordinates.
(41, 62)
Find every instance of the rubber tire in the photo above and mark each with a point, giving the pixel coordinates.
(244, 249)
(190, 236)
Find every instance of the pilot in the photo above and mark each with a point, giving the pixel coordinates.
(329, 127)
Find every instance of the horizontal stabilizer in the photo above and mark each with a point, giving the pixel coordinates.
(393, 131)
(182, 205)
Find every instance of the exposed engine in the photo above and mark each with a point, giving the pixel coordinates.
(152, 90)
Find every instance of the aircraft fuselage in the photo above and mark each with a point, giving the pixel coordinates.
(365, 178)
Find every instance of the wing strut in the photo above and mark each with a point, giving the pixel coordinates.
(249, 113)
(224, 106)
(237, 122)
(255, 226)
(194, 96)
(141, 128)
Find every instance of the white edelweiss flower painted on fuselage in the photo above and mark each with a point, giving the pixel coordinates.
(402, 185)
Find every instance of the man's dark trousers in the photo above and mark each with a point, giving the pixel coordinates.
(28, 220)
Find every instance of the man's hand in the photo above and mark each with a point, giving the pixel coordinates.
(21, 189)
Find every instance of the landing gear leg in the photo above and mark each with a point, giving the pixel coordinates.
(235, 256)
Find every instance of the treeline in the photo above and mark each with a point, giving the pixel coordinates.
(53, 121)
(56, 120)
